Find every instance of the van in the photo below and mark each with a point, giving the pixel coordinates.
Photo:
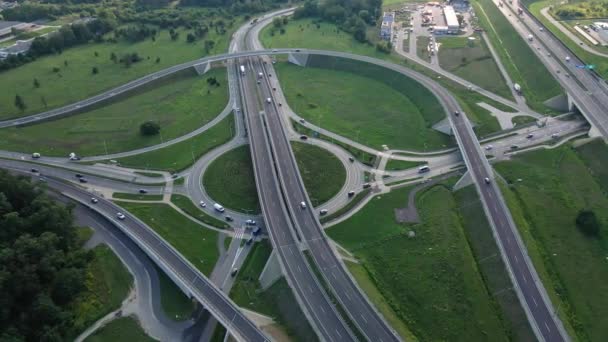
(35, 155)
(218, 207)
(424, 169)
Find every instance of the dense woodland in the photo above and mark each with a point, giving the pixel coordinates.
(42, 266)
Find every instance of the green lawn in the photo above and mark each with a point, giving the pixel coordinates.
(600, 62)
(185, 204)
(383, 108)
(175, 303)
(396, 164)
(179, 104)
(302, 33)
(138, 197)
(183, 154)
(121, 329)
(229, 180)
(422, 48)
(108, 284)
(538, 85)
(430, 281)
(322, 172)
(76, 82)
(195, 243)
(555, 185)
(522, 119)
(473, 63)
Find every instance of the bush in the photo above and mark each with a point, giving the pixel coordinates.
(588, 223)
(149, 128)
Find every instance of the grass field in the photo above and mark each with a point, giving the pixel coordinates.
(473, 63)
(601, 63)
(75, 81)
(555, 185)
(183, 154)
(179, 104)
(108, 284)
(322, 172)
(175, 303)
(302, 33)
(185, 204)
(430, 281)
(121, 329)
(374, 111)
(277, 301)
(396, 164)
(229, 180)
(194, 242)
(538, 85)
(422, 48)
(138, 197)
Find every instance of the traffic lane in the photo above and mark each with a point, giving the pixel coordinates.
(180, 267)
(520, 269)
(357, 307)
(299, 276)
(91, 180)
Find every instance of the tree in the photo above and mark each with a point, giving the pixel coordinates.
(36, 83)
(94, 70)
(19, 103)
(113, 57)
(588, 223)
(209, 44)
(157, 60)
(149, 128)
(190, 38)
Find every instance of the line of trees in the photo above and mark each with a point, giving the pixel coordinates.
(349, 16)
(42, 266)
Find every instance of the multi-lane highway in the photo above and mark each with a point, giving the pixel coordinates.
(312, 299)
(589, 92)
(530, 290)
(187, 276)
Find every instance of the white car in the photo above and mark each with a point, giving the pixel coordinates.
(250, 222)
(487, 180)
(489, 147)
(94, 200)
(202, 204)
(120, 216)
(323, 212)
(303, 205)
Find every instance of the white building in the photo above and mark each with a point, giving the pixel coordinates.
(451, 19)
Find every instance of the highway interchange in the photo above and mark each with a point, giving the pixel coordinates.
(281, 191)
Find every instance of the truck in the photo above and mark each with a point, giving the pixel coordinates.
(218, 207)
(242, 67)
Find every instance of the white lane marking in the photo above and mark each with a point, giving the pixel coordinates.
(547, 326)
(363, 318)
(337, 332)
(347, 296)
(525, 279)
(534, 300)
(516, 259)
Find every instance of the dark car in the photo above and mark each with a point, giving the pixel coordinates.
(143, 191)
(78, 175)
(351, 193)
(351, 159)
(34, 170)
(456, 113)
(229, 218)
(83, 180)
(303, 137)
(366, 185)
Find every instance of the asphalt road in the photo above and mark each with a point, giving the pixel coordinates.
(589, 93)
(537, 306)
(201, 288)
(314, 302)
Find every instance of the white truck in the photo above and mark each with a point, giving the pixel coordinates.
(218, 207)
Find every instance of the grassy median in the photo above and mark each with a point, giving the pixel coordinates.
(121, 329)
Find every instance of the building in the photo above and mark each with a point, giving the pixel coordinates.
(6, 27)
(451, 19)
(386, 29)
